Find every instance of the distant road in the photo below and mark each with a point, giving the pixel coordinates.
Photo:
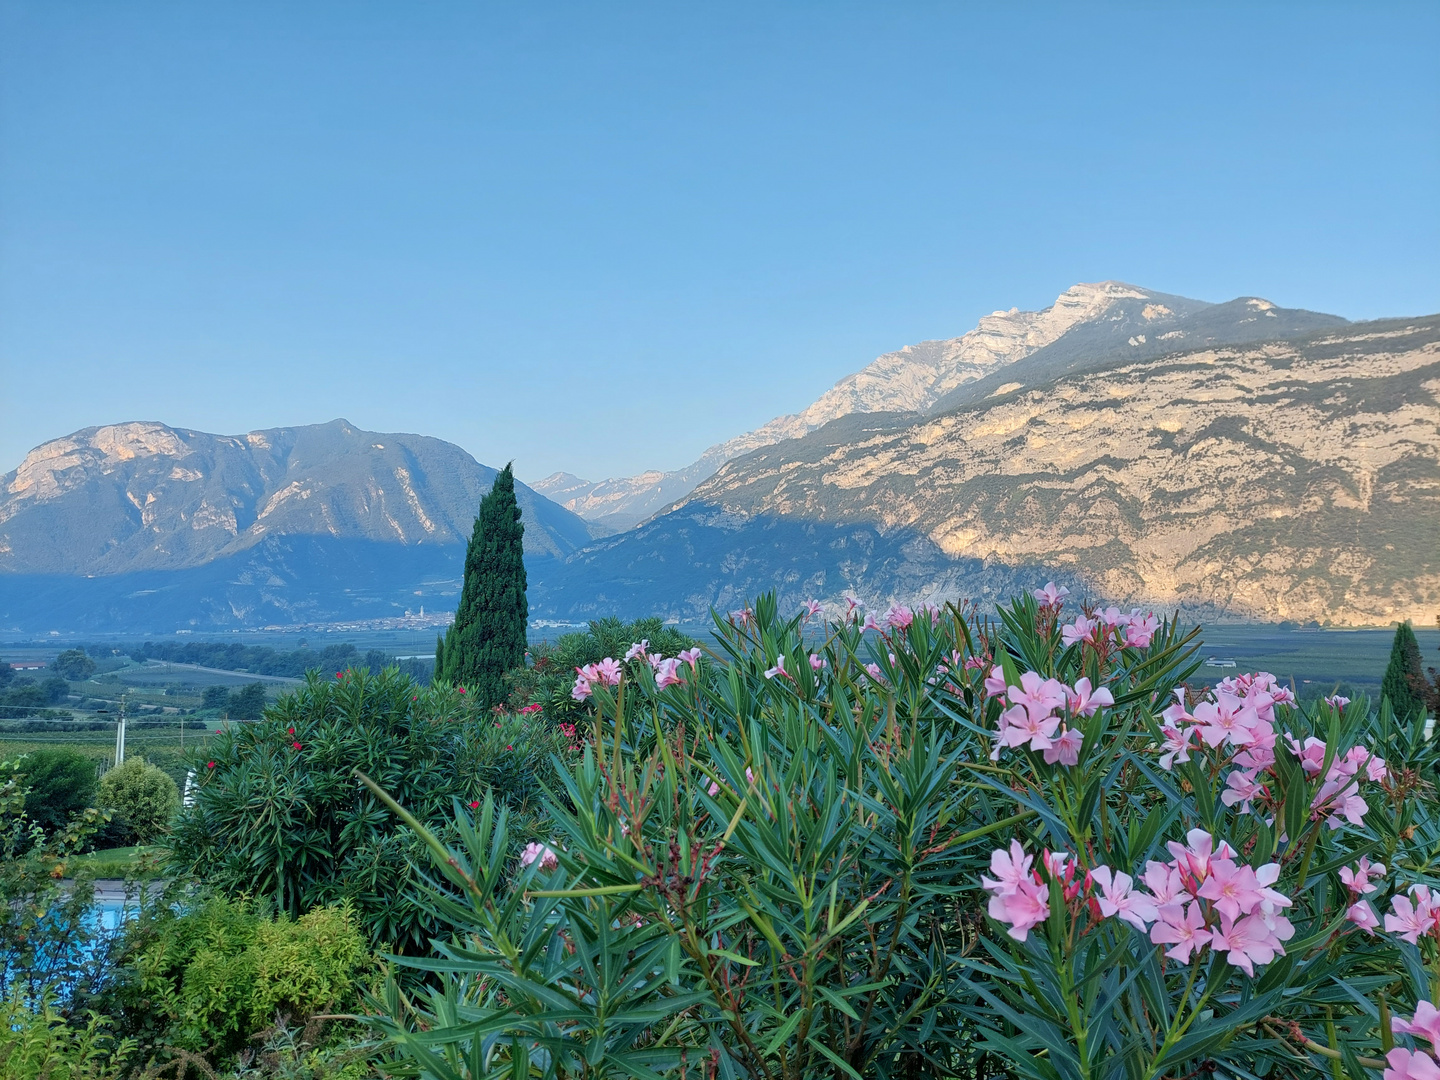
(285, 680)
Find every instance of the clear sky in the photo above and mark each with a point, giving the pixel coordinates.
(600, 237)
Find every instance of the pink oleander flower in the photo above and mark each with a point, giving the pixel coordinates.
(1193, 861)
(1165, 884)
(742, 617)
(1247, 942)
(850, 605)
(1022, 726)
(1041, 697)
(1086, 702)
(640, 648)
(1176, 714)
(1141, 630)
(899, 616)
(817, 662)
(1410, 1065)
(713, 789)
(691, 657)
(1051, 595)
(1240, 787)
(1113, 616)
(1362, 915)
(1233, 889)
(813, 608)
(1358, 880)
(995, 682)
(873, 670)
(1311, 754)
(1082, 629)
(667, 675)
(1066, 748)
(1227, 719)
(879, 625)
(581, 690)
(1425, 1024)
(1411, 916)
(1176, 746)
(543, 852)
(1023, 909)
(1181, 926)
(610, 671)
(1337, 701)
(1010, 869)
(778, 669)
(1116, 898)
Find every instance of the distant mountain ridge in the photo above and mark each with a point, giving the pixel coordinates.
(1286, 479)
(1085, 321)
(143, 524)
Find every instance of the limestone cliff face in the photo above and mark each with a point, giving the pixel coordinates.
(1296, 479)
(1086, 322)
(145, 496)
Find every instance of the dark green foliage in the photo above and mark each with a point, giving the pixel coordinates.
(55, 690)
(487, 638)
(60, 782)
(1404, 682)
(215, 697)
(6, 673)
(247, 703)
(439, 654)
(290, 822)
(73, 664)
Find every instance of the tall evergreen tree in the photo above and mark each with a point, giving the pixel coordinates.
(1404, 680)
(487, 638)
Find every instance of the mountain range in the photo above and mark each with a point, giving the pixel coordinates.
(1236, 460)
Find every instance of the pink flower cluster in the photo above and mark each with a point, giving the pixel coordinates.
(1415, 915)
(1358, 882)
(1415, 1064)
(1201, 897)
(1133, 630)
(1239, 718)
(542, 852)
(608, 671)
(1031, 719)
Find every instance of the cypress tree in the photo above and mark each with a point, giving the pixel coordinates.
(439, 675)
(1403, 678)
(487, 637)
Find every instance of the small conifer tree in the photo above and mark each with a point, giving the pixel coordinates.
(1404, 680)
(487, 638)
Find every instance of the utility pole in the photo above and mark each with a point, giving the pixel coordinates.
(120, 734)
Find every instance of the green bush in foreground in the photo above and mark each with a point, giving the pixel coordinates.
(60, 782)
(210, 978)
(43, 1044)
(142, 798)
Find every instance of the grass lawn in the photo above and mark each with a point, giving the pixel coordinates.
(121, 862)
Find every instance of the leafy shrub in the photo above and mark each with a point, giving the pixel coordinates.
(60, 782)
(919, 851)
(42, 1044)
(142, 798)
(278, 812)
(211, 977)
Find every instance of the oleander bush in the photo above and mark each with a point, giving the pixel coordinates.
(926, 844)
(278, 813)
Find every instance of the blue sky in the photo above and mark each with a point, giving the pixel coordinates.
(601, 237)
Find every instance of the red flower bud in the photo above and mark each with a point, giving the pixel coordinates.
(295, 746)
(210, 764)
